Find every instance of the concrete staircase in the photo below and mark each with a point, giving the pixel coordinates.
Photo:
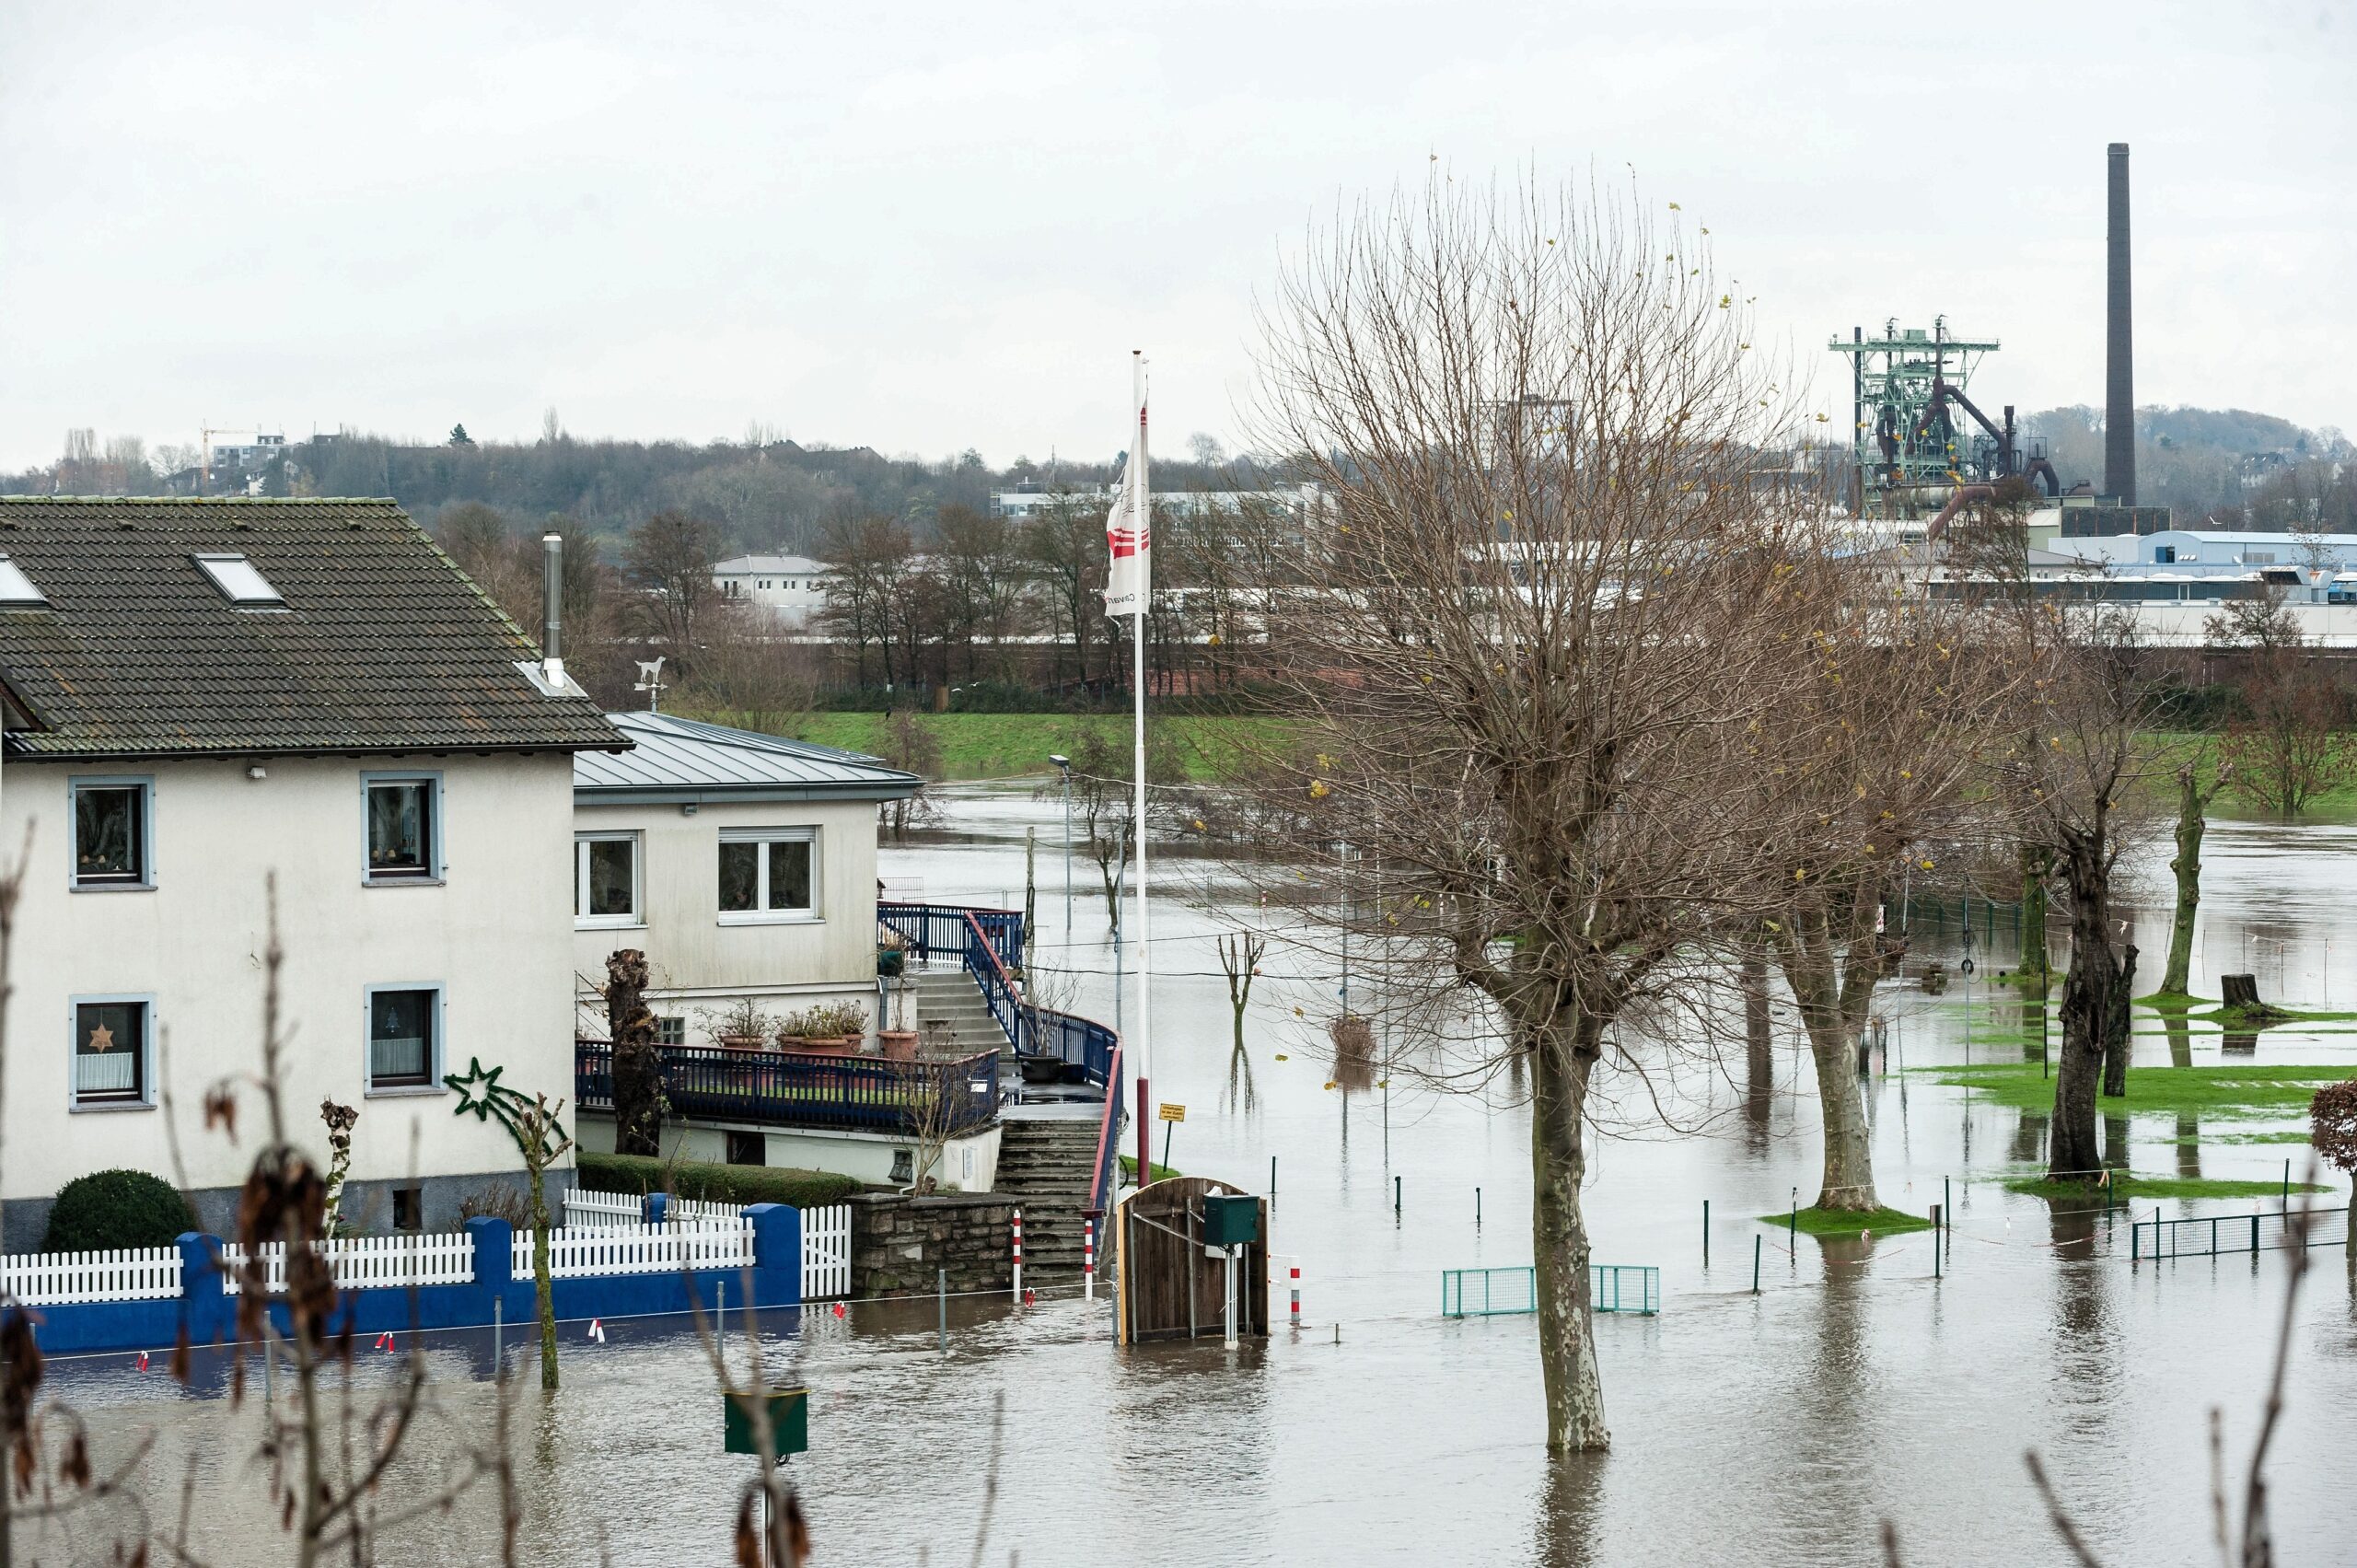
(950, 997)
(1045, 1165)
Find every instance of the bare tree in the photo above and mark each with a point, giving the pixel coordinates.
(910, 745)
(2291, 744)
(1239, 957)
(2075, 777)
(1528, 638)
(637, 1062)
(670, 557)
(2193, 798)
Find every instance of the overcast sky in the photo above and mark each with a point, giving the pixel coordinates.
(946, 225)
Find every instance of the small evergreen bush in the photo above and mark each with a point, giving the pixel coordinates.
(112, 1209)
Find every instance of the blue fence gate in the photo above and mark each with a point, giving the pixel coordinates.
(1492, 1293)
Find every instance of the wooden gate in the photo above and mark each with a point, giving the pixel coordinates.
(1171, 1289)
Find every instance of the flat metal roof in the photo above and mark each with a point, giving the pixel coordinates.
(674, 759)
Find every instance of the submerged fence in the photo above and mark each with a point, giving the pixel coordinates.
(1492, 1293)
(2214, 1235)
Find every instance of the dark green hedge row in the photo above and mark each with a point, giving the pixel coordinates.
(715, 1183)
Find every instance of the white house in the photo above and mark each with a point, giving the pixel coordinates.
(743, 867)
(222, 711)
(792, 589)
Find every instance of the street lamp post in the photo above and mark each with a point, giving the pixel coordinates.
(1064, 765)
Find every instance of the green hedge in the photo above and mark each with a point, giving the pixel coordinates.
(715, 1183)
(111, 1210)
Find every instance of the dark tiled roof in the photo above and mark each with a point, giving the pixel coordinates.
(384, 643)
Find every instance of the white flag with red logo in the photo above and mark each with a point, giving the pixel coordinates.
(1127, 529)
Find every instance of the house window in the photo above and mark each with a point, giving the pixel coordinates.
(670, 1031)
(111, 833)
(767, 874)
(605, 879)
(404, 827)
(748, 1149)
(409, 1208)
(110, 1050)
(404, 1036)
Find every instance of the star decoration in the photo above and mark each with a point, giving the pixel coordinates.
(478, 1089)
(102, 1038)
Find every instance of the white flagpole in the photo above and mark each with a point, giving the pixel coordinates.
(1142, 504)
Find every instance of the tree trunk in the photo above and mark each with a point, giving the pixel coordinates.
(2191, 822)
(638, 1064)
(2072, 1153)
(1760, 1062)
(2115, 1026)
(2038, 864)
(1809, 970)
(1562, 1053)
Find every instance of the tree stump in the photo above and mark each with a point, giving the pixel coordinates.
(2241, 992)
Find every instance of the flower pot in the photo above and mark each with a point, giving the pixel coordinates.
(899, 1045)
(741, 1042)
(891, 962)
(818, 1045)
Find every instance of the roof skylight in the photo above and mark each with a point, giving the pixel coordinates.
(239, 582)
(17, 590)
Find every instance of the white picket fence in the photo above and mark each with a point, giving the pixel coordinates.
(579, 1252)
(53, 1279)
(692, 1211)
(364, 1263)
(826, 1252)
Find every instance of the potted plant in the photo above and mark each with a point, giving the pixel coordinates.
(740, 1026)
(826, 1029)
(891, 953)
(898, 1042)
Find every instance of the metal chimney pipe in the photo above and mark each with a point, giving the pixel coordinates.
(552, 607)
(2119, 349)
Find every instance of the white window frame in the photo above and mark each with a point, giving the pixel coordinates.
(74, 1004)
(146, 784)
(760, 914)
(437, 1050)
(582, 919)
(436, 865)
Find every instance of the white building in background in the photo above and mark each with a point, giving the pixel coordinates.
(203, 698)
(792, 589)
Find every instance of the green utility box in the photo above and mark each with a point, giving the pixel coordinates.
(789, 1422)
(1230, 1219)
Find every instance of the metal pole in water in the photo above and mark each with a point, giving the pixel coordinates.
(1755, 1265)
(1477, 1208)
(1706, 1233)
(1948, 1205)
(1936, 1243)
(941, 1302)
(497, 1309)
(1273, 1178)
(1395, 1197)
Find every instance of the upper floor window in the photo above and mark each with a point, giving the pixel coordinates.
(767, 874)
(404, 1036)
(404, 827)
(111, 1041)
(605, 879)
(111, 843)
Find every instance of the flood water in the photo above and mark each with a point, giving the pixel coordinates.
(1780, 1427)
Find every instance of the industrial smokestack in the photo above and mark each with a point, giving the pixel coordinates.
(2120, 348)
(552, 607)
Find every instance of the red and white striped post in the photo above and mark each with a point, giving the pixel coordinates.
(1296, 1295)
(1089, 1258)
(1018, 1254)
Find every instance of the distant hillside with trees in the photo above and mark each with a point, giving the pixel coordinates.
(2218, 467)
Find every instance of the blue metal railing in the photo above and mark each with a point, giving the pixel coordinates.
(989, 944)
(943, 930)
(2212, 1234)
(785, 1088)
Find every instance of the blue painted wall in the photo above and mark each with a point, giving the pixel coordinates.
(210, 1316)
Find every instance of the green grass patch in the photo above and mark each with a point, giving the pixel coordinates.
(2273, 1018)
(1847, 1221)
(1130, 1169)
(998, 746)
(2172, 1001)
(2280, 1135)
(703, 1183)
(2125, 1187)
(2226, 1089)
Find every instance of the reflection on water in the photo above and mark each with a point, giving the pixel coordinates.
(1777, 1428)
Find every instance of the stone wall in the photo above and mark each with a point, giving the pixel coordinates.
(898, 1242)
